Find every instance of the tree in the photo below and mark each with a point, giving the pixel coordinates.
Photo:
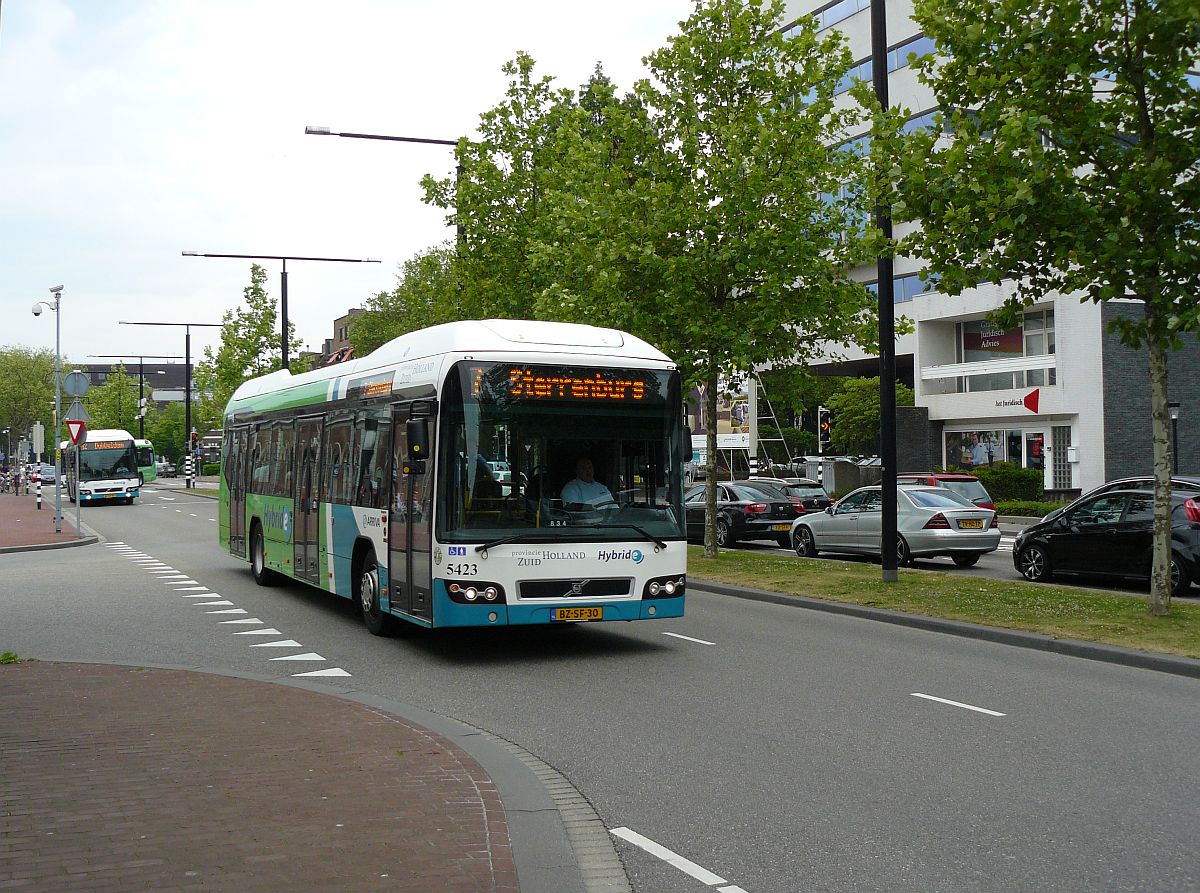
(27, 392)
(165, 429)
(1072, 169)
(855, 407)
(706, 212)
(113, 404)
(426, 294)
(250, 347)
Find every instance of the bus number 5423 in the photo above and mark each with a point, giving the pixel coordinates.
(463, 570)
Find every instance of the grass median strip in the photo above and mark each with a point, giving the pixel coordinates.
(1067, 612)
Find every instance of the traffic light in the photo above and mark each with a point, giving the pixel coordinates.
(142, 407)
(824, 427)
(195, 440)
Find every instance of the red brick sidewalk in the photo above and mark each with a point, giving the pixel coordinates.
(124, 778)
(22, 525)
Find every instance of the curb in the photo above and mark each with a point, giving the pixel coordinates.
(559, 843)
(1113, 654)
(39, 547)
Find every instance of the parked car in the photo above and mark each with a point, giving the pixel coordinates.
(930, 521)
(1180, 483)
(965, 485)
(743, 513)
(806, 493)
(1112, 535)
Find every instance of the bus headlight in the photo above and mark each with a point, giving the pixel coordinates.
(471, 592)
(665, 587)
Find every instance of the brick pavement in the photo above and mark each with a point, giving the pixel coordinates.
(22, 525)
(125, 778)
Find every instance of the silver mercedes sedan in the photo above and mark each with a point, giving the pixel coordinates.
(930, 521)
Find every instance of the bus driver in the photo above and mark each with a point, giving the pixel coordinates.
(585, 491)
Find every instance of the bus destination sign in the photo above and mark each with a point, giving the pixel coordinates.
(507, 382)
(106, 445)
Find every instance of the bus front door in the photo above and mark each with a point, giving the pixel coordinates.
(410, 568)
(306, 541)
(236, 481)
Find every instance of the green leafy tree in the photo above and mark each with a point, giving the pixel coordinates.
(498, 193)
(249, 348)
(113, 404)
(26, 392)
(426, 294)
(1072, 169)
(855, 408)
(165, 429)
(699, 212)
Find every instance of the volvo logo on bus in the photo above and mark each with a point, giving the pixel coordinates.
(577, 586)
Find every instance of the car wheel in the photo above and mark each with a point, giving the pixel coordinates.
(1034, 564)
(806, 545)
(724, 534)
(263, 575)
(903, 553)
(966, 560)
(378, 623)
(1180, 582)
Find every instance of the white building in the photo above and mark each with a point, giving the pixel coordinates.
(1058, 393)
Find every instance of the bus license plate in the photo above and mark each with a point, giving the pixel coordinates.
(970, 524)
(781, 527)
(593, 613)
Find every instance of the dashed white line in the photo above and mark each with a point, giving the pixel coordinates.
(254, 632)
(207, 604)
(334, 671)
(917, 694)
(244, 620)
(689, 639)
(687, 866)
(282, 643)
(311, 655)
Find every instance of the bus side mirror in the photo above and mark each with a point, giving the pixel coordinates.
(417, 431)
(685, 445)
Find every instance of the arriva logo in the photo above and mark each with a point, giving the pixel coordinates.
(634, 555)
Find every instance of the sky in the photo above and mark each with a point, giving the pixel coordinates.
(134, 130)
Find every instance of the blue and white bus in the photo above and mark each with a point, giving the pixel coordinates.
(107, 464)
(375, 479)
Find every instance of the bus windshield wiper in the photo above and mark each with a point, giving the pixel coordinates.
(542, 538)
(642, 531)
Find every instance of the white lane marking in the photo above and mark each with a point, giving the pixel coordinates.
(245, 620)
(114, 543)
(167, 575)
(332, 671)
(167, 498)
(181, 583)
(732, 888)
(703, 875)
(195, 589)
(202, 595)
(917, 694)
(689, 639)
(179, 511)
(229, 611)
(282, 643)
(164, 570)
(193, 514)
(254, 632)
(311, 655)
(208, 604)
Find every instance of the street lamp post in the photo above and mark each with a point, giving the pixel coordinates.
(37, 311)
(283, 307)
(187, 376)
(1173, 409)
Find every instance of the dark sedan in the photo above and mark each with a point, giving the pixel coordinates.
(743, 513)
(1111, 535)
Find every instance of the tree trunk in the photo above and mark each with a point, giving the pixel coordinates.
(710, 466)
(1160, 575)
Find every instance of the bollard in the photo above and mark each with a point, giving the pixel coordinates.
(39, 495)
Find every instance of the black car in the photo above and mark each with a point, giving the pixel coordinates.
(1111, 535)
(1188, 484)
(743, 513)
(806, 493)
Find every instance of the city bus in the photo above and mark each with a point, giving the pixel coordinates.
(146, 460)
(107, 467)
(371, 480)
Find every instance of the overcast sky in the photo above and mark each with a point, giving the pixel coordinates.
(133, 130)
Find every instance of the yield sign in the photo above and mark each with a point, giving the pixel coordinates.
(77, 428)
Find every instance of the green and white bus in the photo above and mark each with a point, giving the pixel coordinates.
(146, 459)
(371, 479)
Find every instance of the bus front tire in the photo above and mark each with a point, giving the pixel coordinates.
(378, 623)
(263, 575)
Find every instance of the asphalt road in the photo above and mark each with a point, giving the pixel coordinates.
(776, 748)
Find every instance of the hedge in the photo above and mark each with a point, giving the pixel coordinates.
(1009, 481)
(210, 468)
(1025, 509)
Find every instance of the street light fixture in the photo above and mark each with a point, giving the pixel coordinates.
(1173, 409)
(187, 373)
(37, 311)
(283, 307)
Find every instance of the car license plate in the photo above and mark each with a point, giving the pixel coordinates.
(971, 524)
(574, 614)
(781, 527)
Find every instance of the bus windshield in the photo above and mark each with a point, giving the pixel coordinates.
(559, 453)
(107, 459)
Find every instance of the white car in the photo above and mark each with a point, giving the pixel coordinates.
(930, 521)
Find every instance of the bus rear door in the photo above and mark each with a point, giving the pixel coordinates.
(236, 472)
(306, 541)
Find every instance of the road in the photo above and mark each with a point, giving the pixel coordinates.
(777, 749)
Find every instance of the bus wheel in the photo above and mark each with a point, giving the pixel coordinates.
(378, 623)
(263, 575)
